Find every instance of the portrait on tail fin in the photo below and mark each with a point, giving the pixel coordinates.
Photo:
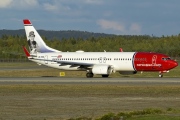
(33, 46)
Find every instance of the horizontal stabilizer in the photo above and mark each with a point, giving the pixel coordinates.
(26, 51)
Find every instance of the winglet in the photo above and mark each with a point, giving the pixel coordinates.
(26, 51)
(120, 49)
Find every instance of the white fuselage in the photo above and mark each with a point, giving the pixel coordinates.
(120, 61)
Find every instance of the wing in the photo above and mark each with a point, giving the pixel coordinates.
(75, 64)
(71, 63)
(61, 63)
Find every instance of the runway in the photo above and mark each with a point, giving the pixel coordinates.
(65, 80)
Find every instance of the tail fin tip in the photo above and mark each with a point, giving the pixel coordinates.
(27, 22)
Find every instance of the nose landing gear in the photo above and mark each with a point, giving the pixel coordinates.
(161, 73)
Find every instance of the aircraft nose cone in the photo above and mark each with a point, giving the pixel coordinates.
(174, 64)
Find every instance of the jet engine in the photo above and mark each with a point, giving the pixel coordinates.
(102, 69)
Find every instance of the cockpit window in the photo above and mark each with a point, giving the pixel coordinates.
(166, 58)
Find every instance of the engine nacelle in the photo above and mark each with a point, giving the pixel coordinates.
(102, 69)
(127, 72)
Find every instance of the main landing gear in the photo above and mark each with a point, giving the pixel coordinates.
(89, 74)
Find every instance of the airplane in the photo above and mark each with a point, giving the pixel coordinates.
(94, 63)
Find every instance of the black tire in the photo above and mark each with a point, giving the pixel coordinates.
(89, 75)
(161, 75)
(105, 76)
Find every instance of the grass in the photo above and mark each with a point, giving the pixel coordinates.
(146, 114)
(49, 101)
(155, 117)
(35, 101)
(31, 69)
(126, 115)
(94, 90)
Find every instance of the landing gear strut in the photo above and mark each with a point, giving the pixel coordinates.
(161, 73)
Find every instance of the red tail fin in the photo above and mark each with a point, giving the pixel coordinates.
(26, 51)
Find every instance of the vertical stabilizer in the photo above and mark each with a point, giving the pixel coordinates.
(35, 42)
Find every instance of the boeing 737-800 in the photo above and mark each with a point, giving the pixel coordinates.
(100, 63)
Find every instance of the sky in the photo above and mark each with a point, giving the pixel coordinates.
(121, 17)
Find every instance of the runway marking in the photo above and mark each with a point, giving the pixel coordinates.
(59, 80)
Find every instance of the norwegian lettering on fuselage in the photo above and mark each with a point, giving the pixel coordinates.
(149, 65)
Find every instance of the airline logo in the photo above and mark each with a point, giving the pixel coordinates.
(154, 58)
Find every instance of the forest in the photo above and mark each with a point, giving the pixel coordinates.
(11, 45)
(49, 34)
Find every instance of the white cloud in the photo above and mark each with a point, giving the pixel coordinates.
(135, 28)
(105, 24)
(28, 2)
(56, 6)
(18, 4)
(93, 1)
(107, 14)
(119, 27)
(50, 7)
(5, 3)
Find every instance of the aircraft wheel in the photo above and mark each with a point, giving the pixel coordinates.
(89, 75)
(160, 75)
(105, 75)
